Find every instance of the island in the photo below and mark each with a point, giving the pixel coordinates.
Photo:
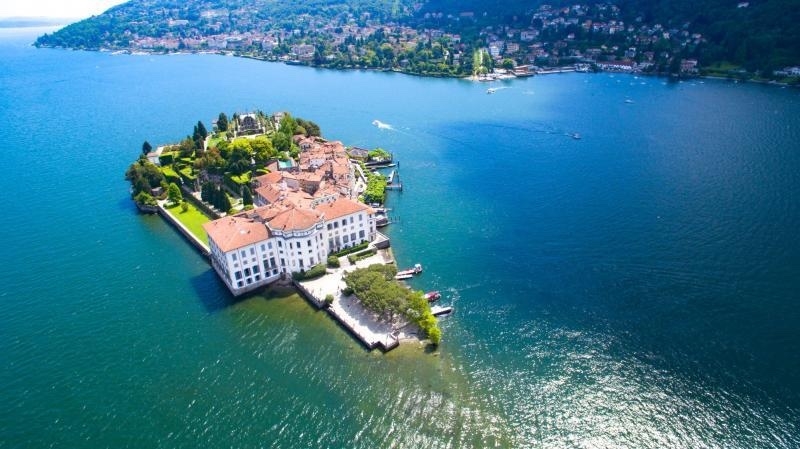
(271, 203)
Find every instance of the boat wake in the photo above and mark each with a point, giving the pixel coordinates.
(382, 125)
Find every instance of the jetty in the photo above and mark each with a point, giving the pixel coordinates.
(393, 181)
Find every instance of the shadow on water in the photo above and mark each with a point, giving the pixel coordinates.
(126, 204)
(212, 292)
(215, 297)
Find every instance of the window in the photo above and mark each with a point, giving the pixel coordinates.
(242, 253)
(329, 226)
(280, 244)
(283, 262)
(290, 245)
(266, 266)
(269, 245)
(351, 220)
(252, 251)
(247, 272)
(311, 261)
(360, 217)
(361, 234)
(233, 256)
(301, 263)
(345, 239)
(344, 222)
(239, 284)
(272, 261)
(263, 248)
(258, 277)
(238, 275)
(353, 236)
(336, 224)
(309, 242)
(256, 269)
(249, 281)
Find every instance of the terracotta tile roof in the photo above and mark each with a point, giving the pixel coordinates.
(341, 207)
(270, 178)
(269, 192)
(230, 233)
(294, 219)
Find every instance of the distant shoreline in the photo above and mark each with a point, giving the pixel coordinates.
(548, 71)
(34, 22)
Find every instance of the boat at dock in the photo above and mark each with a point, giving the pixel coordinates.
(408, 273)
(441, 310)
(381, 221)
(432, 296)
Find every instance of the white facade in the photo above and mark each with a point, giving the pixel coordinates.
(256, 263)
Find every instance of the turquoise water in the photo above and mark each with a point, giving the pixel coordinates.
(637, 287)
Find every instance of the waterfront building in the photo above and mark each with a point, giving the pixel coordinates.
(255, 248)
(302, 216)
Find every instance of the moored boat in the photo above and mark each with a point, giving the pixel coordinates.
(432, 296)
(439, 310)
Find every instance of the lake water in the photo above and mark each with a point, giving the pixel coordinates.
(637, 287)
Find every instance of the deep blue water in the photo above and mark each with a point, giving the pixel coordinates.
(637, 287)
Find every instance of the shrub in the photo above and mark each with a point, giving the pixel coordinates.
(333, 262)
(353, 258)
(347, 291)
(312, 273)
(328, 299)
(351, 250)
(184, 206)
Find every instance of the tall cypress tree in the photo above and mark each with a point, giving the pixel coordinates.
(222, 122)
(247, 197)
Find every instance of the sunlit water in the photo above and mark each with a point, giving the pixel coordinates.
(637, 287)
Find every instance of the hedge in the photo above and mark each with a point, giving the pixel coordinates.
(353, 258)
(351, 250)
(312, 273)
(171, 176)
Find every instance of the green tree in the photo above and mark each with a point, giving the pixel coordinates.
(508, 64)
(222, 122)
(263, 150)
(145, 199)
(146, 147)
(247, 197)
(187, 147)
(174, 194)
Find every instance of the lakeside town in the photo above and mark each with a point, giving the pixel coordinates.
(547, 39)
(301, 221)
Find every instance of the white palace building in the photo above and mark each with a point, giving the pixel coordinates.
(302, 217)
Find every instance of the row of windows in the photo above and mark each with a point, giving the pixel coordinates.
(255, 278)
(335, 224)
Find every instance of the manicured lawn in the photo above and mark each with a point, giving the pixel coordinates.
(214, 141)
(193, 219)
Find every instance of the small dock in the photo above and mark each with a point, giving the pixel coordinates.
(393, 181)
